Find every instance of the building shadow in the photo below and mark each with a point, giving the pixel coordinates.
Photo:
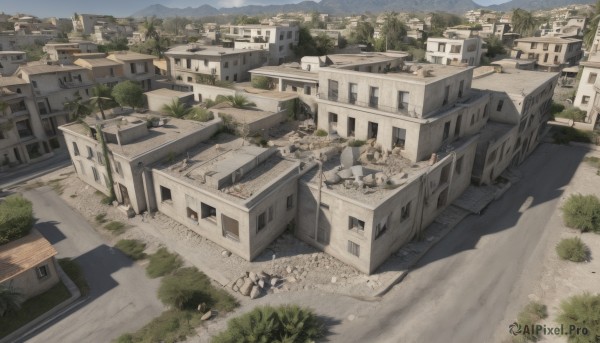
(50, 231)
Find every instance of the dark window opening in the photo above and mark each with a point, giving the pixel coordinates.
(165, 194)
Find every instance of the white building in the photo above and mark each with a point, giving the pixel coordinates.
(278, 40)
(455, 51)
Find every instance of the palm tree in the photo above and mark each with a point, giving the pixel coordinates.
(177, 109)
(102, 99)
(77, 107)
(149, 27)
(10, 300)
(237, 101)
(588, 38)
(524, 23)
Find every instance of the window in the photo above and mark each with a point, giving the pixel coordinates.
(557, 48)
(356, 224)
(231, 228)
(533, 45)
(446, 131)
(193, 215)
(381, 227)
(461, 87)
(90, 153)
(112, 72)
(458, 167)
(455, 49)
(585, 99)
(354, 248)
(75, 149)
(402, 100)
(42, 271)
(189, 79)
(352, 93)
(100, 159)
(445, 174)
(118, 168)
(96, 176)
(208, 212)
(24, 128)
(492, 157)
(442, 198)
(133, 68)
(307, 90)
(405, 212)
(374, 97)
(446, 95)
(226, 65)
(441, 47)
(261, 221)
(34, 84)
(333, 90)
(289, 202)
(500, 104)
(545, 46)
(592, 77)
(458, 126)
(165, 194)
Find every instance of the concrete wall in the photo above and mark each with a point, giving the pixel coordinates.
(28, 283)
(587, 89)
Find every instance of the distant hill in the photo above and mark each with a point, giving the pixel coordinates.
(537, 4)
(353, 6)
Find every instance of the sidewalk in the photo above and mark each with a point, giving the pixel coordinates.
(23, 173)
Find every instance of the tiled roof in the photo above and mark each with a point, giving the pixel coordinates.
(23, 254)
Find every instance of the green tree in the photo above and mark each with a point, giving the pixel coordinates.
(441, 21)
(245, 20)
(10, 300)
(523, 22)
(77, 107)
(157, 44)
(128, 93)
(115, 44)
(306, 44)
(588, 38)
(237, 101)
(16, 218)
(393, 31)
(363, 33)
(175, 25)
(177, 109)
(494, 46)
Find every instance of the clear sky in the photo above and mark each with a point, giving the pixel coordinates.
(123, 8)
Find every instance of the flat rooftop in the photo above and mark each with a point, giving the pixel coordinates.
(216, 161)
(548, 40)
(187, 50)
(11, 81)
(437, 72)
(511, 81)
(48, 69)
(129, 56)
(168, 93)
(241, 115)
(286, 71)
(493, 131)
(344, 60)
(97, 62)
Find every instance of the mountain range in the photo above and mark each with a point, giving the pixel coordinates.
(356, 6)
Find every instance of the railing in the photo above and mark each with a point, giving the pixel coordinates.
(367, 104)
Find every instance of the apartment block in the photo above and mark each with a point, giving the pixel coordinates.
(10, 61)
(277, 40)
(64, 53)
(550, 53)
(136, 67)
(449, 51)
(588, 97)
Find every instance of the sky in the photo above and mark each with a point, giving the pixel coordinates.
(123, 8)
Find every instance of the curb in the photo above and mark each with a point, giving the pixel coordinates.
(16, 336)
(33, 176)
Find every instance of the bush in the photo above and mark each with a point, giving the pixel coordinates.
(287, 323)
(531, 314)
(261, 82)
(73, 270)
(16, 218)
(186, 288)
(564, 135)
(556, 108)
(116, 227)
(356, 143)
(582, 311)
(321, 133)
(572, 249)
(162, 262)
(582, 212)
(201, 115)
(132, 248)
(100, 218)
(572, 113)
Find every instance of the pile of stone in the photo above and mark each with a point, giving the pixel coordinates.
(253, 284)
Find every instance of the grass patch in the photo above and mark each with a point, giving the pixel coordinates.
(162, 262)
(356, 143)
(73, 270)
(572, 113)
(116, 227)
(573, 249)
(582, 212)
(100, 218)
(56, 186)
(531, 314)
(170, 326)
(592, 160)
(33, 308)
(565, 134)
(132, 248)
(186, 288)
(321, 133)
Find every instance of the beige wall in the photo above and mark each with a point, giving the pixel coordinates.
(28, 283)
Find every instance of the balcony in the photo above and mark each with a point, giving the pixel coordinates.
(367, 104)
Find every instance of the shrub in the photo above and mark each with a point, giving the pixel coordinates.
(531, 314)
(132, 248)
(572, 113)
(170, 326)
(582, 212)
(116, 227)
(581, 311)
(73, 270)
(261, 82)
(16, 218)
(287, 323)
(321, 133)
(564, 135)
(162, 262)
(356, 143)
(186, 288)
(572, 249)
(100, 218)
(201, 115)
(556, 108)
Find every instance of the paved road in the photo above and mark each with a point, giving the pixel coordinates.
(122, 298)
(12, 177)
(469, 287)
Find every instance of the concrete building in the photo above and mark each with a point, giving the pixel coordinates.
(10, 61)
(571, 27)
(551, 53)
(163, 96)
(28, 265)
(25, 135)
(455, 51)
(134, 143)
(136, 67)
(192, 64)
(63, 53)
(277, 40)
(588, 90)
(103, 70)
